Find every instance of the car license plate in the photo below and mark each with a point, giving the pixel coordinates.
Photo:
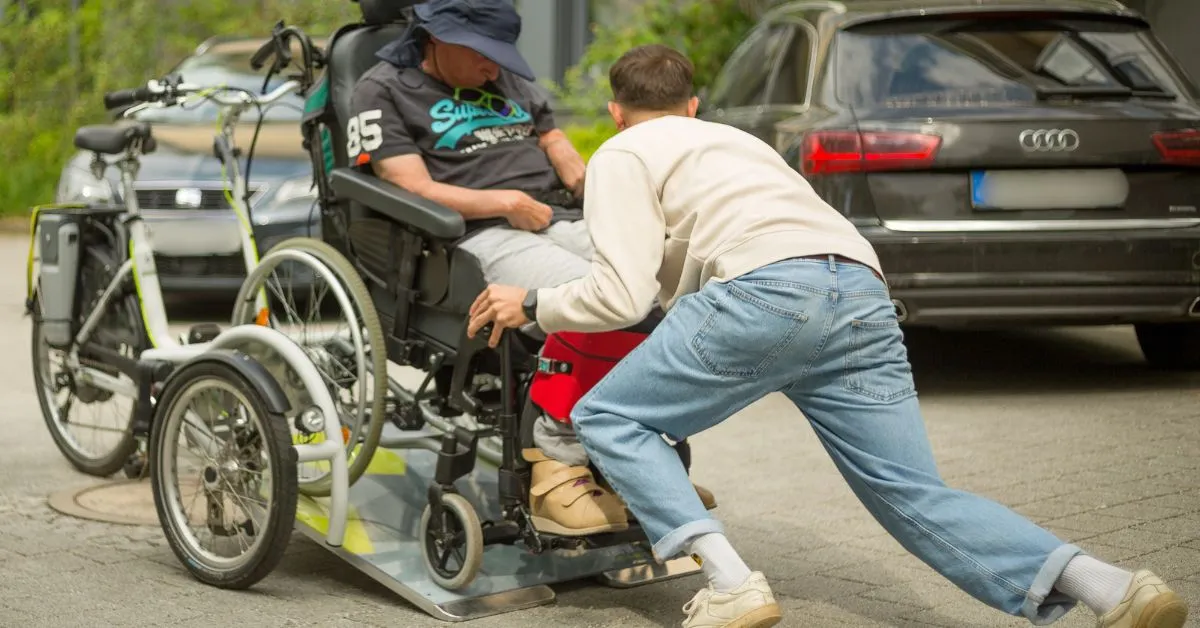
(179, 236)
(1016, 190)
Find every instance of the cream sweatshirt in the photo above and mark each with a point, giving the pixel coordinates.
(674, 202)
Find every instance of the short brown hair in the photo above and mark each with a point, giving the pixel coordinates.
(651, 77)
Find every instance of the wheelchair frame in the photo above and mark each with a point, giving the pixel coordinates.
(422, 289)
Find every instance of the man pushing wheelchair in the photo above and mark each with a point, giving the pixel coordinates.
(449, 113)
(770, 289)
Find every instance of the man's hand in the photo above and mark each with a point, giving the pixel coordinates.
(500, 305)
(567, 161)
(522, 211)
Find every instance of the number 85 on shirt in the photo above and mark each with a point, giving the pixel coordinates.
(363, 133)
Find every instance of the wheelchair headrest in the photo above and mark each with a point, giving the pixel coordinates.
(385, 11)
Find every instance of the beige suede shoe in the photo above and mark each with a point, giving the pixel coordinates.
(706, 496)
(567, 501)
(1148, 603)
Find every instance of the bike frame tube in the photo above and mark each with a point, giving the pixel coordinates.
(250, 253)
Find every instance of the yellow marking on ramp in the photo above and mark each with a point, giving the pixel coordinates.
(316, 515)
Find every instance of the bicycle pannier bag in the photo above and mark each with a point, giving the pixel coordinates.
(56, 251)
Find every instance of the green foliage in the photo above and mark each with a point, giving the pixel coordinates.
(588, 137)
(706, 31)
(56, 63)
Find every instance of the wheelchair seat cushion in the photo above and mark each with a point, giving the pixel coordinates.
(571, 363)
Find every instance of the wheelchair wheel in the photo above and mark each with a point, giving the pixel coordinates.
(351, 355)
(453, 546)
(90, 425)
(229, 508)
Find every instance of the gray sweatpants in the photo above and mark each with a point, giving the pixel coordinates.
(515, 257)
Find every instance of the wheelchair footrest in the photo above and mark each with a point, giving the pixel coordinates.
(383, 540)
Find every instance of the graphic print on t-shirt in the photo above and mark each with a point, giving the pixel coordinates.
(491, 118)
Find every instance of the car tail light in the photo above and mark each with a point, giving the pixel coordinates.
(1179, 147)
(829, 152)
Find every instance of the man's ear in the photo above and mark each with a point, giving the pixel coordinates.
(693, 107)
(618, 116)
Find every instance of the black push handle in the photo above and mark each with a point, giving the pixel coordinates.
(263, 54)
(125, 97)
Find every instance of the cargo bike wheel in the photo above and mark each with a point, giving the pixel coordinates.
(228, 510)
(347, 348)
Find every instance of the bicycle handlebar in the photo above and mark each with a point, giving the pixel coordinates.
(278, 47)
(166, 93)
(125, 97)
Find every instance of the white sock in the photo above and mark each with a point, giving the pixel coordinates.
(1098, 585)
(720, 562)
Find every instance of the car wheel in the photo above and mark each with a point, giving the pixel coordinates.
(1170, 345)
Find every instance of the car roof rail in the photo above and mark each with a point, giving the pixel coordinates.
(790, 6)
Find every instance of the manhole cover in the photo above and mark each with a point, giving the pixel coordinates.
(127, 502)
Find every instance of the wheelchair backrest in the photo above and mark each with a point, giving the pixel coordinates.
(351, 53)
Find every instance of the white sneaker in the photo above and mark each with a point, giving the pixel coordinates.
(1148, 603)
(751, 605)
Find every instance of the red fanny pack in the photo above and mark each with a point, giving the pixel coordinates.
(571, 363)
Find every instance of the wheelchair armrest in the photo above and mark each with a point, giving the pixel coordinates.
(398, 204)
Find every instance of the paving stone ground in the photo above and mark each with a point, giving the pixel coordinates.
(1067, 427)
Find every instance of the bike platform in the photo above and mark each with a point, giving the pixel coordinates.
(382, 540)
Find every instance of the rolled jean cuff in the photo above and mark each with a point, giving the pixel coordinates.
(673, 543)
(1043, 605)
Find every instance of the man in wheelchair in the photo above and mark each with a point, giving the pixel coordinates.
(450, 114)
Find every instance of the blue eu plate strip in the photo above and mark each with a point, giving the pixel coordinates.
(977, 185)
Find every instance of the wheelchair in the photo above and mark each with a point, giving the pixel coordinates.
(474, 403)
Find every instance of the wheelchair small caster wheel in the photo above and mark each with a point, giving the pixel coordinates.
(456, 539)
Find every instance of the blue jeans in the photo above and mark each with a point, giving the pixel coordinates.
(825, 334)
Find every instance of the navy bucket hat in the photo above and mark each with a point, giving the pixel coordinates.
(489, 27)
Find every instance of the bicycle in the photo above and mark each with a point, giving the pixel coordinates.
(94, 295)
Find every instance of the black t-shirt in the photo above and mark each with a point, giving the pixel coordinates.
(485, 138)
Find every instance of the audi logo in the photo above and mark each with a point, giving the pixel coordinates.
(1049, 140)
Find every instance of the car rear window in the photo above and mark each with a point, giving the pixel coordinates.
(971, 61)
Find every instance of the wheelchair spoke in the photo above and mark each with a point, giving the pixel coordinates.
(293, 315)
(314, 302)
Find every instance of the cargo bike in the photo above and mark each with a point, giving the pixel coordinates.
(415, 438)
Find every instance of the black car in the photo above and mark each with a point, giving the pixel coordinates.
(1014, 162)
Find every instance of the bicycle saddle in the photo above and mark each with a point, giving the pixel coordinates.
(114, 139)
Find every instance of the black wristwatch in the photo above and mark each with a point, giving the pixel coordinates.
(529, 305)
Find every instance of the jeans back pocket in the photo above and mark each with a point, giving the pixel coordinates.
(744, 334)
(877, 364)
